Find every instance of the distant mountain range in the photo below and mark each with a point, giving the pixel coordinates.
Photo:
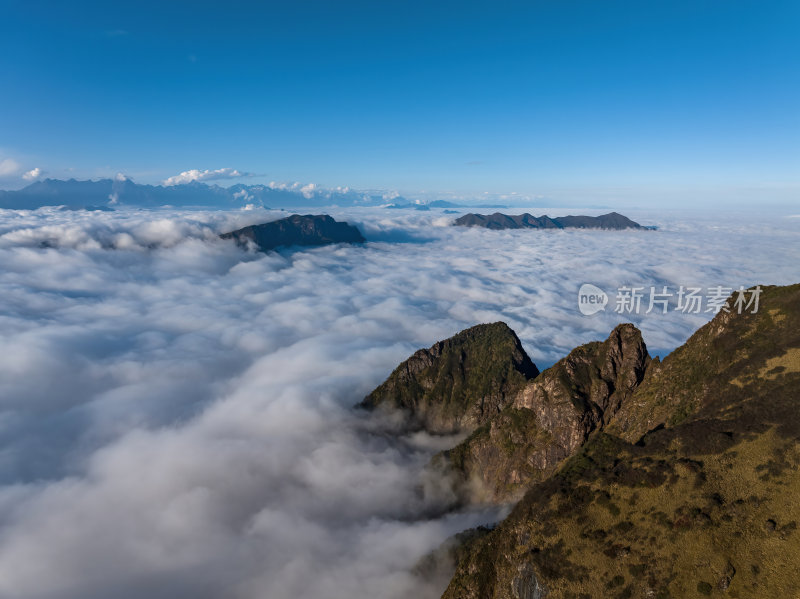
(399, 203)
(109, 193)
(498, 220)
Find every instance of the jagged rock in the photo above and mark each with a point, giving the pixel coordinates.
(459, 383)
(583, 390)
(549, 419)
(526, 585)
(307, 230)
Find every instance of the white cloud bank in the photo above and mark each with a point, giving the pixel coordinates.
(175, 414)
(205, 175)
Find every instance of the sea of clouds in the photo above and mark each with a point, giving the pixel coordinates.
(175, 413)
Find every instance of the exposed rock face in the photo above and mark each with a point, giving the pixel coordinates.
(526, 585)
(550, 418)
(457, 384)
(308, 230)
(498, 220)
(580, 392)
(695, 492)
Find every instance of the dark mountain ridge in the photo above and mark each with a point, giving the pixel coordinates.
(498, 220)
(303, 230)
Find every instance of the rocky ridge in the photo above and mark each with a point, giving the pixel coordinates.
(634, 477)
(549, 419)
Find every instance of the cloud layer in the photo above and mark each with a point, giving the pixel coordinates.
(176, 413)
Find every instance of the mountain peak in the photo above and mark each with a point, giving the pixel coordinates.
(459, 383)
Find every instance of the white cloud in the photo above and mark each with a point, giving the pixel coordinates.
(33, 174)
(175, 412)
(242, 195)
(206, 175)
(296, 186)
(8, 167)
(308, 190)
(311, 190)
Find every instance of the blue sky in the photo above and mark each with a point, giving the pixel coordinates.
(652, 101)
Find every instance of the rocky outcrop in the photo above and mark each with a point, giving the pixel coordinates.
(526, 585)
(459, 383)
(695, 492)
(304, 230)
(549, 419)
(498, 220)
